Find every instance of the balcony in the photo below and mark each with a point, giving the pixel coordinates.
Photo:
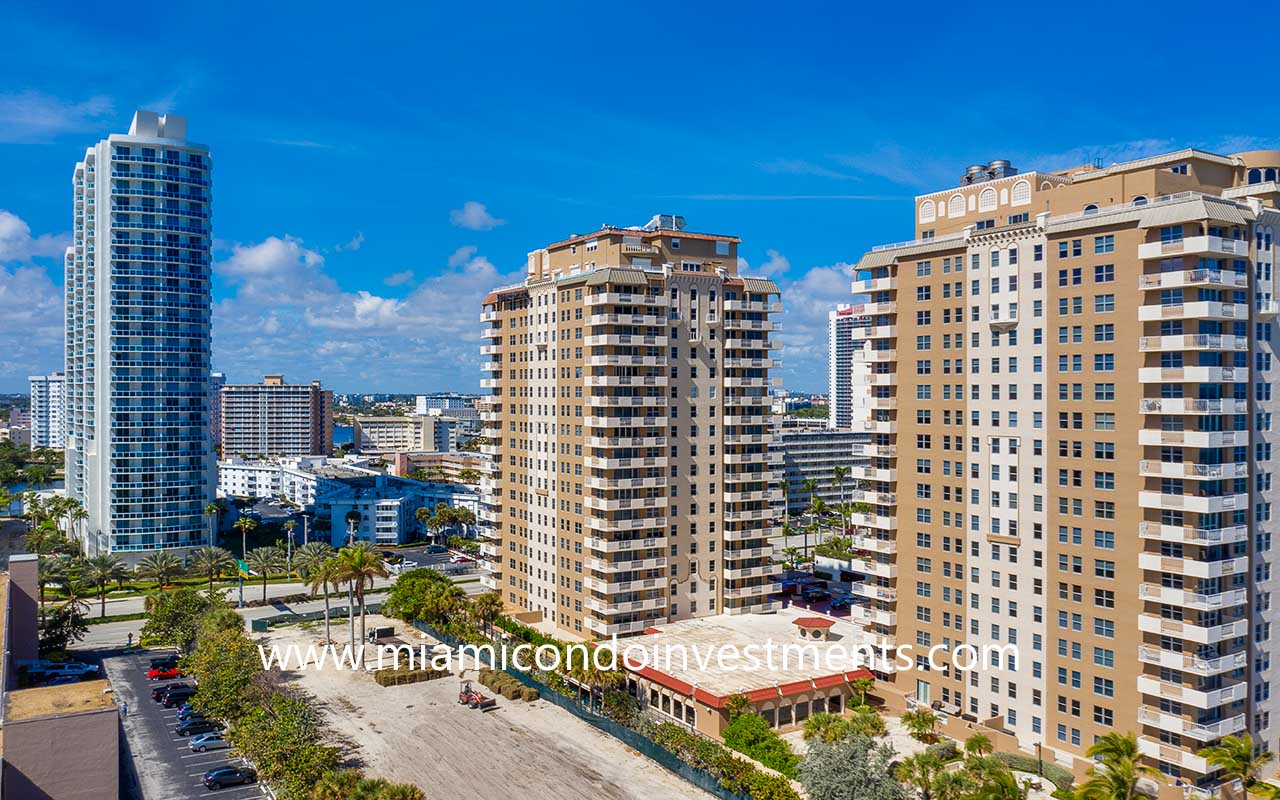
(870, 285)
(1195, 730)
(621, 545)
(1159, 438)
(762, 306)
(644, 424)
(861, 566)
(749, 553)
(626, 319)
(1190, 502)
(624, 298)
(752, 363)
(763, 495)
(1187, 662)
(625, 400)
(634, 249)
(876, 356)
(876, 309)
(623, 504)
(606, 630)
(1193, 567)
(882, 426)
(625, 339)
(873, 474)
(594, 462)
(764, 457)
(489, 582)
(625, 607)
(642, 584)
(755, 590)
(1200, 602)
(756, 382)
(1154, 748)
(1150, 623)
(626, 441)
(625, 380)
(866, 615)
(626, 361)
(1194, 277)
(751, 419)
(883, 379)
(1186, 405)
(739, 343)
(751, 324)
(634, 565)
(750, 515)
(1189, 535)
(1204, 341)
(1166, 469)
(882, 403)
(883, 523)
(629, 524)
(876, 450)
(1193, 375)
(762, 570)
(875, 332)
(1201, 309)
(1195, 245)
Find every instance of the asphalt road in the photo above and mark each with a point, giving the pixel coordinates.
(167, 768)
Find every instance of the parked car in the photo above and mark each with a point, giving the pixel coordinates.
(434, 549)
(71, 669)
(208, 741)
(163, 673)
(176, 697)
(186, 708)
(161, 662)
(159, 692)
(193, 726)
(789, 586)
(186, 712)
(63, 680)
(813, 594)
(229, 776)
(843, 601)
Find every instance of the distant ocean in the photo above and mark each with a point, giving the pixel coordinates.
(342, 434)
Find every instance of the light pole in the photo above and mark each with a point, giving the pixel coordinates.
(353, 519)
(1039, 760)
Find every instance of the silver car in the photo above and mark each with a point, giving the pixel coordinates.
(209, 741)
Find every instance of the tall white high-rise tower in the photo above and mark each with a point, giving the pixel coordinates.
(139, 454)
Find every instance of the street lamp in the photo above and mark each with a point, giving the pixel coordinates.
(1039, 759)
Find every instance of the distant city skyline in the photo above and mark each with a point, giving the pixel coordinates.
(363, 211)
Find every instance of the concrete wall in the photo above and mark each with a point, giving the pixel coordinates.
(24, 634)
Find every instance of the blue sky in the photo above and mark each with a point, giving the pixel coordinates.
(374, 174)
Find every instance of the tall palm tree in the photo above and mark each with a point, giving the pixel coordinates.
(817, 510)
(1114, 746)
(320, 578)
(1113, 780)
(487, 608)
(978, 746)
(51, 569)
(920, 723)
(358, 566)
(840, 474)
(310, 556)
(264, 561)
(100, 572)
(288, 526)
(1234, 755)
(244, 525)
(212, 563)
(211, 510)
(353, 519)
(862, 686)
(919, 772)
(160, 567)
(75, 515)
(423, 516)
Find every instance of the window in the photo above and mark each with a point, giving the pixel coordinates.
(1104, 303)
(1104, 244)
(1020, 195)
(987, 199)
(955, 206)
(928, 211)
(1104, 273)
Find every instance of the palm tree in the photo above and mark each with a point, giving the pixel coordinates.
(211, 511)
(1114, 780)
(310, 556)
(1114, 746)
(978, 746)
(862, 686)
(1234, 755)
(423, 516)
(865, 721)
(358, 565)
(160, 567)
(792, 554)
(51, 569)
(920, 723)
(951, 785)
(100, 572)
(6, 500)
(244, 525)
(826, 727)
(487, 608)
(264, 561)
(288, 526)
(320, 578)
(919, 772)
(998, 782)
(211, 563)
(839, 474)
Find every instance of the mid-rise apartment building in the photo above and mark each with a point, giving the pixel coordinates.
(846, 372)
(48, 411)
(139, 455)
(1071, 442)
(274, 418)
(412, 434)
(817, 455)
(423, 403)
(634, 478)
(216, 381)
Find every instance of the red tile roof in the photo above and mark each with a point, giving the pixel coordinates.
(814, 622)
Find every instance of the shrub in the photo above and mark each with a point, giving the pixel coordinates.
(528, 694)
(751, 735)
(944, 750)
(1059, 776)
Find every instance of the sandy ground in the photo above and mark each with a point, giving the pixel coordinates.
(418, 733)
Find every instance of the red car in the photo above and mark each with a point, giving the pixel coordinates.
(164, 673)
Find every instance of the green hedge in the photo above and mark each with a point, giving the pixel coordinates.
(735, 774)
(400, 677)
(944, 750)
(1058, 776)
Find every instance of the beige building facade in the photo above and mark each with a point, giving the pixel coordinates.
(633, 478)
(1070, 391)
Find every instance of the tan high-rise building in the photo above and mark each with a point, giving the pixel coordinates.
(1072, 434)
(274, 418)
(633, 479)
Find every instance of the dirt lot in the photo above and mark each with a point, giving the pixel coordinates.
(419, 733)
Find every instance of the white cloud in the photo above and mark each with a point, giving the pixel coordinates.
(288, 314)
(354, 244)
(776, 265)
(795, 166)
(399, 278)
(474, 216)
(806, 302)
(17, 243)
(462, 255)
(32, 117)
(30, 323)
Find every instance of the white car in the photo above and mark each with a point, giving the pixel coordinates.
(458, 559)
(209, 741)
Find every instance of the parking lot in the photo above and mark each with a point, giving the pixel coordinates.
(166, 767)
